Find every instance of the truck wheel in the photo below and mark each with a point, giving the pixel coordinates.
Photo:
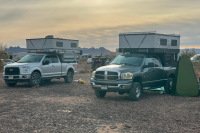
(11, 84)
(35, 79)
(136, 91)
(169, 89)
(69, 77)
(100, 93)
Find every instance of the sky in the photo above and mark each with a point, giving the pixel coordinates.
(97, 23)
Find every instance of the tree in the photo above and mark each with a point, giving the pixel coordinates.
(188, 52)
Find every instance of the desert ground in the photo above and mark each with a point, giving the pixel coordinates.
(58, 107)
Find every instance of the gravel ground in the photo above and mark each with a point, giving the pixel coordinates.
(73, 108)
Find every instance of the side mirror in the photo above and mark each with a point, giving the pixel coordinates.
(46, 62)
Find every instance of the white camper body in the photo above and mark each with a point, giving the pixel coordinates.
(164, 47)
(68, 49)
(51, 44)
(149, 40)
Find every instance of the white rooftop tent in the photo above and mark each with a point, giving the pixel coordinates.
(51, 44)
(165, 46)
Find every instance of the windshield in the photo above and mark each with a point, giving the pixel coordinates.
(128, 60)
(30, 58)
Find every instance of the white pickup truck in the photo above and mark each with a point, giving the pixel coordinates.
(35, 67)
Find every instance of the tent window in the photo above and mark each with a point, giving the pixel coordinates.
(59, 44)
(163, 42)
(73, 45)
(174, 43)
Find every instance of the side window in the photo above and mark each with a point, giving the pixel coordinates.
(51, 59)
(47, 58)
(149, 62)
(54, 59)
(157, 63)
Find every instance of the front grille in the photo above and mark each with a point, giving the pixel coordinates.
(12, 71)
(112, 76)
(100, 75)
(106, 75)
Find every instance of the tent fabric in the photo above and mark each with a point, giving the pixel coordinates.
(186, 81)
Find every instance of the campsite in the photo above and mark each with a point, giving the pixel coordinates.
(60, 107)
(117, 66)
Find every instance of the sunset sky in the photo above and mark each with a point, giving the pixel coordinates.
(97, 23)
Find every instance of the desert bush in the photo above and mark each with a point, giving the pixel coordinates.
(188, 52)
(3, 55)
(83, 67)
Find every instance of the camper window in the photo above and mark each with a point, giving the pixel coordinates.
(73, 45)
(163, 42)
(173, 42)
(59, 44)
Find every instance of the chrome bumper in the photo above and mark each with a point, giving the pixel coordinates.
(111, 85)
(16, 77)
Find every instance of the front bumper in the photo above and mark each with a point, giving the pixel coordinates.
(18, 78)
(111, 86)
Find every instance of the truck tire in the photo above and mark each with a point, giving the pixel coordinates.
(11, 84)
(100, 93)
(136, 91)
(69, 77)
(35, 79)
(169, 88)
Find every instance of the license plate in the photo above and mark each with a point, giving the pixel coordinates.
(10, 77)
(104, 87)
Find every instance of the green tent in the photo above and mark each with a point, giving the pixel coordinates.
(186, 81)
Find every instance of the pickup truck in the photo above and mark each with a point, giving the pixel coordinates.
(131, 73)
(36, 67)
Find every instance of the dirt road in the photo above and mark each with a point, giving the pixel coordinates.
(73, 108)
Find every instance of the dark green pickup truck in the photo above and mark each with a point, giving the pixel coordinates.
(130, 73)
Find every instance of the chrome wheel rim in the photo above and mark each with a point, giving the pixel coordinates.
(138, 91)
(35, 79)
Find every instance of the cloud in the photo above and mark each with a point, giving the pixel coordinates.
(97, 22)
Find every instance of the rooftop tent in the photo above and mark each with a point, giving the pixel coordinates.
(164, 47)
(186, 82)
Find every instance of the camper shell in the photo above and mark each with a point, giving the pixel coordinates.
(67, 49)
(164, 47)
(51, 44)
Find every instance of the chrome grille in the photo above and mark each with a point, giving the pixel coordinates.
(106, 75)
(112, 76)
(12, 71)
(100, 75)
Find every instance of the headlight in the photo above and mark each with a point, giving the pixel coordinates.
(93, 74)
(25, 69)
(127, 75)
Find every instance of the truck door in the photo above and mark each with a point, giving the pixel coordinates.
(159, 73)
(46, 67)
(51, 66)
(56, 65)
(153, 73)
(148, 73)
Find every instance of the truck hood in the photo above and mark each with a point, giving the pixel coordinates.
(16, 64)
(119, 68)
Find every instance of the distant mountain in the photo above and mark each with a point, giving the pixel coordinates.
(96, 51)
(91, 51)
(14, 50)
